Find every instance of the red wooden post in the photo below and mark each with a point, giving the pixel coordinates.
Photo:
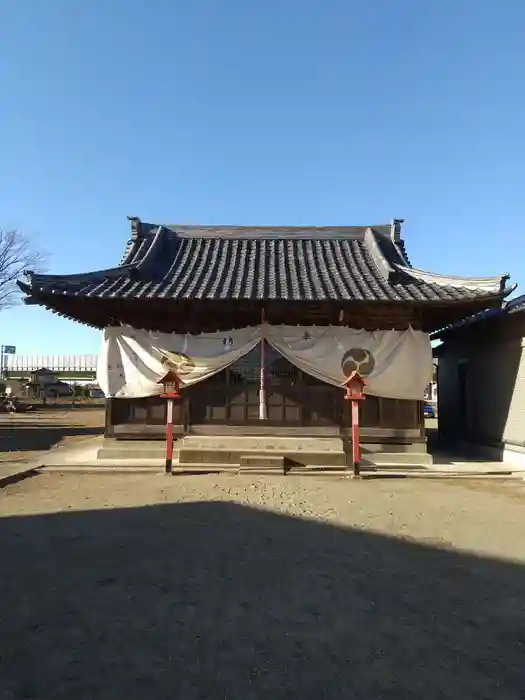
(171, 384)
(262, 383)
(354, 393)
(169, 436)
(355, 437)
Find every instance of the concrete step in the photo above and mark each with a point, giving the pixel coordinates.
(267, 461)
(132, 449)
(368, 468)
(319, 471)
(116, 453)
(223, 456)
(259, 443)
(293, 444)
(132, 445)
(202, 468)
(432, 474)
(295, 451)
(392, 448)
(293, 459)
(402, 459)
(104, 469)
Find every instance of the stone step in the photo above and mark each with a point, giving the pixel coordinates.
(333, 472)
(293, 444)
(118, 453)
(133, 445)
(265, 461)
(103, 469)
(292, 460)
(202, 468)
(132, 449)
(368, 448)
(434, 474)
(404, 459)
(296, 459)
(234, 456)
(368, 468)
(262, 443)
(229, 450)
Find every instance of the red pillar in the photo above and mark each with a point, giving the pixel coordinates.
(262, 385)
(355, 437)
(169, 436)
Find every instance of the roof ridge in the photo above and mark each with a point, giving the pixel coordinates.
(258, 227)
(381, 261)
(269, 233)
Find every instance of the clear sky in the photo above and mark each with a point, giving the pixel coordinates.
(260, 111)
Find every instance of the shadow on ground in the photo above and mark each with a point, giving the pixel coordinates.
(57, 404)
(29, 436)
(446, 453)
(214, 600)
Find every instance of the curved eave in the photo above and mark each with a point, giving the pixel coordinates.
(141, 252)
(45, 297)
(479, 300)
(489, 285)
(74, 282)
(481, 315)
(152, 314)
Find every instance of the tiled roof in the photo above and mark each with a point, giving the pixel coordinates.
(311, 263)
(513, 306)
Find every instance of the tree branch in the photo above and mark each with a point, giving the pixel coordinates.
(17, 254)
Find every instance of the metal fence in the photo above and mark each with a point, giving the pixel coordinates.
(55, 363)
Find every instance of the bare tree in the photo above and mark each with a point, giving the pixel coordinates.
(17, 254)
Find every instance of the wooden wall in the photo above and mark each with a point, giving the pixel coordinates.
(297, 403)
(481, 382)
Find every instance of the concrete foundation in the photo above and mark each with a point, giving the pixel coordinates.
(288, 454)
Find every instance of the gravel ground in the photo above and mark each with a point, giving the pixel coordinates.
(278, 587)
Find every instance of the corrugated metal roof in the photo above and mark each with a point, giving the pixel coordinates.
(262, 263)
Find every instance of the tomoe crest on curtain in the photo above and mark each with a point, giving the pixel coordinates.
(396, 364)
(358, 360)
(178, 362)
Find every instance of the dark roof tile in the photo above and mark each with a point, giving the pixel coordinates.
(218, 262)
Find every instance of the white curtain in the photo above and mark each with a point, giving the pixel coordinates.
(394, 364)
(131, 362)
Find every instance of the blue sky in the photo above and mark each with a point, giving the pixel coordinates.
(267, 112)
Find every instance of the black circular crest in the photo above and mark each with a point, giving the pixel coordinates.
(358, 360)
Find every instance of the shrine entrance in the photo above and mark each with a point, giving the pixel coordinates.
(296, 404)
(293, 398)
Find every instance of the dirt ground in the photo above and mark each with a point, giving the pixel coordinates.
(23, 435)
(261, 587)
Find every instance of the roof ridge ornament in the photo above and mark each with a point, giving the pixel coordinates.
(395, 230)
(504, 279)
(136, 226)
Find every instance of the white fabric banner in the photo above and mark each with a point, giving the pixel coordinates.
(131, 362)
(394, 364)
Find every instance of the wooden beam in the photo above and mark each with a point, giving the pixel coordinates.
(208, 315)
